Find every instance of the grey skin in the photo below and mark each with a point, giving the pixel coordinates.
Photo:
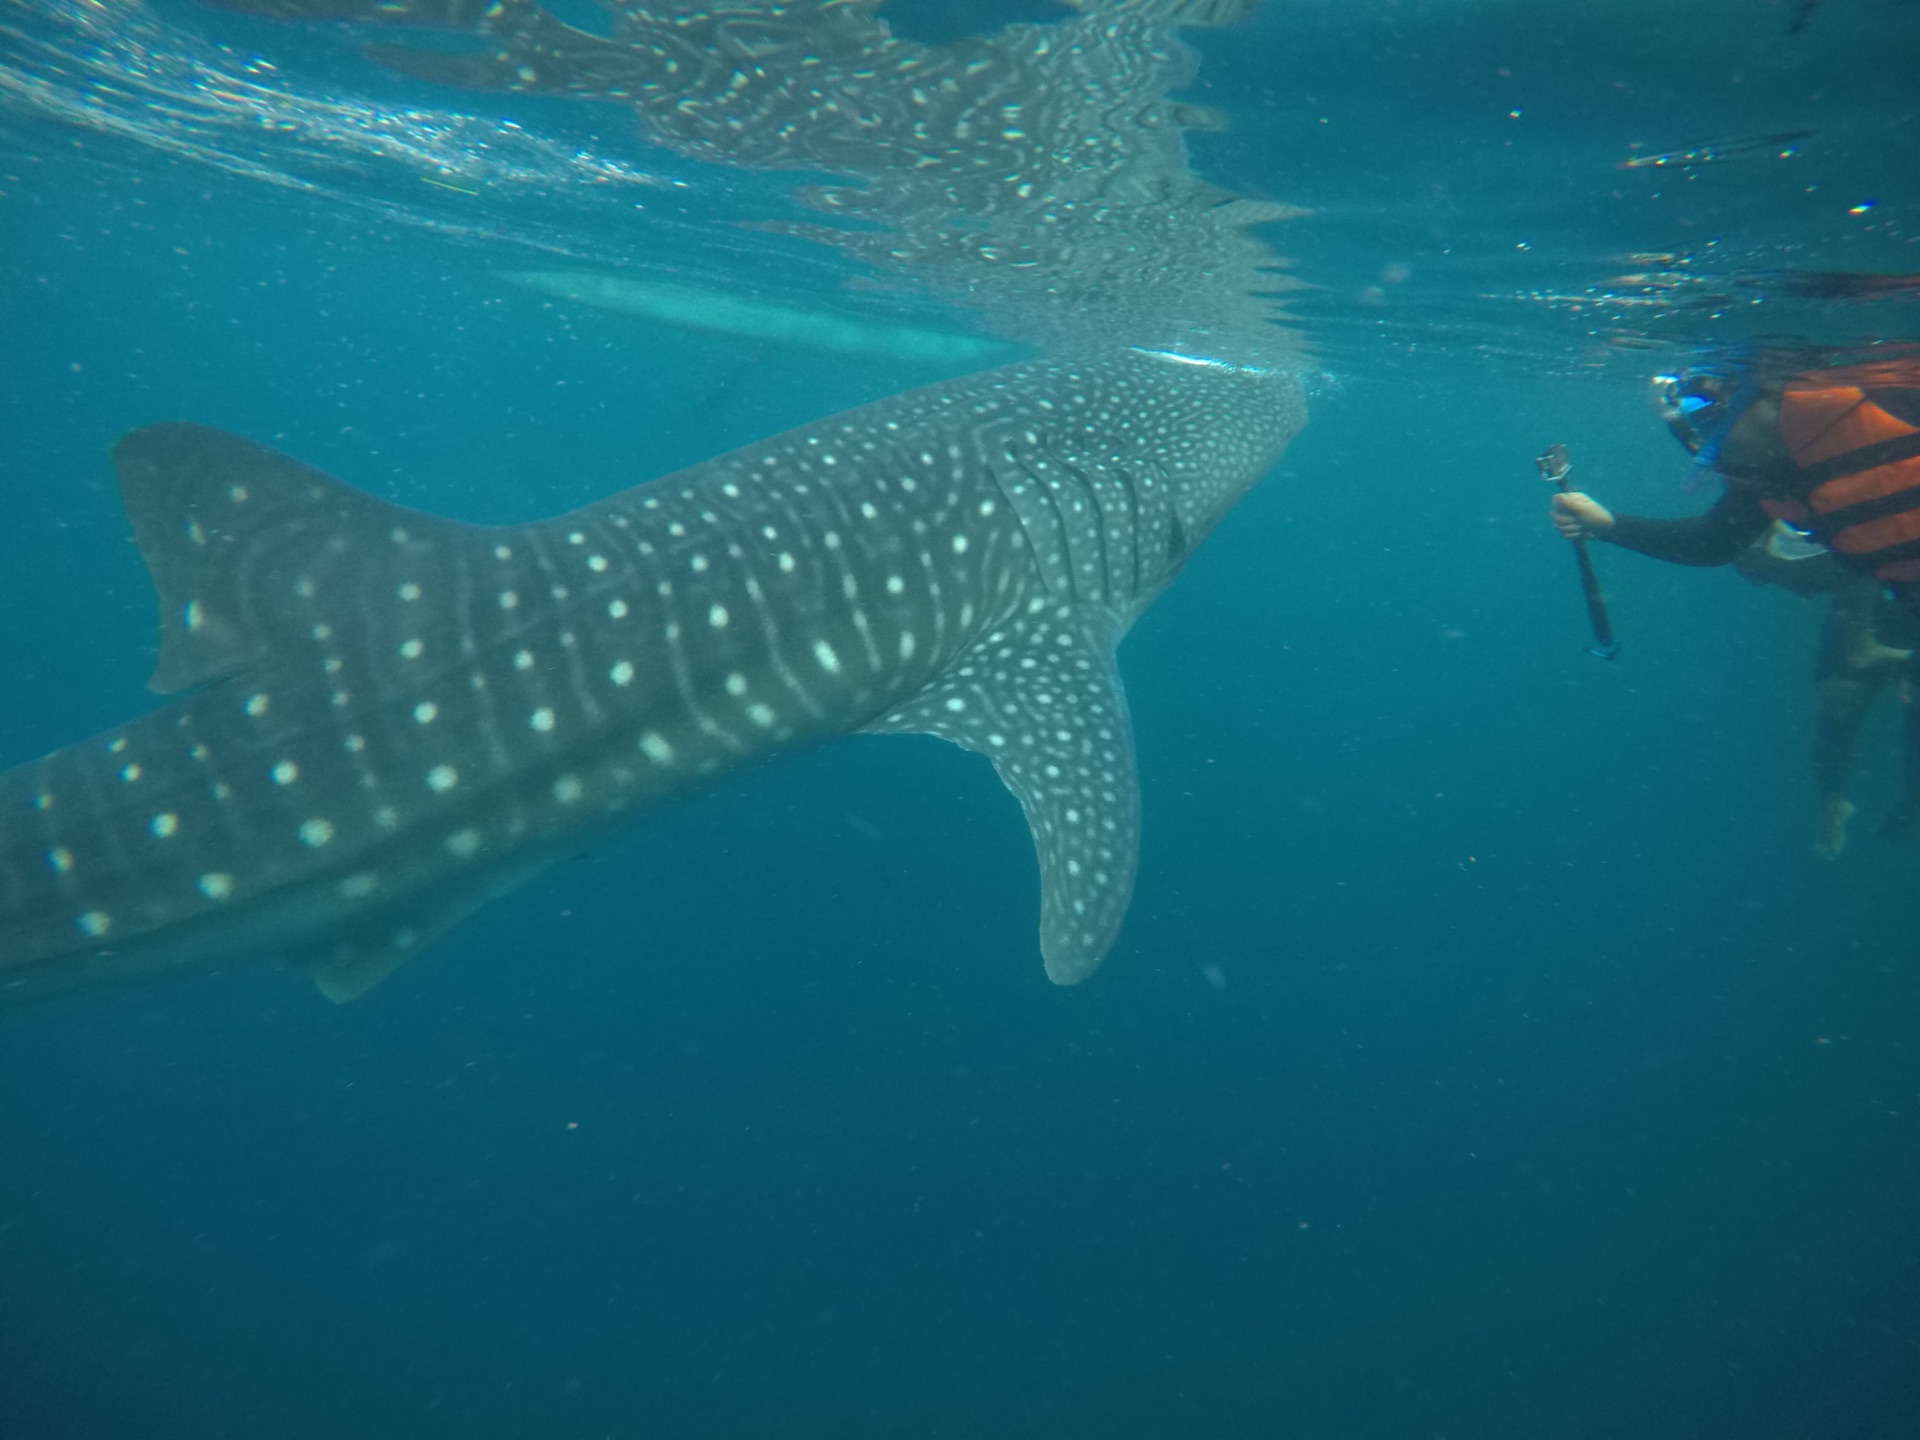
(390, 717)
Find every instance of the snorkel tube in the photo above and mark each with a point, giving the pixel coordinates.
(1703, 403)
(1707, 457)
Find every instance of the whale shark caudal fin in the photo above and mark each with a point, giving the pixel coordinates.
(1041, 699)
(222, 524)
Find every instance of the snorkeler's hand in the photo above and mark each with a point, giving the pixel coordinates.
(1578, 516)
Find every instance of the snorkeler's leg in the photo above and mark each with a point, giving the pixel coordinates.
(1858, 613)
(1850, 673)
(1843, 706)
(1903, 821)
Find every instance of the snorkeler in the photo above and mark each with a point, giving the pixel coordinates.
(1833, 451)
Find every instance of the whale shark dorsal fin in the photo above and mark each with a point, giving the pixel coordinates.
(222, 524)
(1041, 698)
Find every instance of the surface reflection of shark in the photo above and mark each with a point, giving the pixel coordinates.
(396, 716)
(1037, 175)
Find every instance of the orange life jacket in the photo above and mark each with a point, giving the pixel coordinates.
(1858, 468)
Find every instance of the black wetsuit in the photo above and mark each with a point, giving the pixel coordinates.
(1721, 535)
(1718, 537)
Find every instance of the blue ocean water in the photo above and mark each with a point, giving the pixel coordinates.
(1486, 1054)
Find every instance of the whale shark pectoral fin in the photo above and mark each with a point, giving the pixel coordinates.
(225, 526)
(1042, 700)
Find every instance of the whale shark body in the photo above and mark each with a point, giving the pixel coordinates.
(390, 717)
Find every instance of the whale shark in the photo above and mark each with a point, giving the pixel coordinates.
(385, 718)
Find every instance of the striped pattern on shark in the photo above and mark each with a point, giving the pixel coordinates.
(392, 717)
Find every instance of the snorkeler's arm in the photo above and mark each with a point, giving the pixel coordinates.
(1718, 537)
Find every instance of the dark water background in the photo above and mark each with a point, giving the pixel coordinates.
(1486, 1055)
